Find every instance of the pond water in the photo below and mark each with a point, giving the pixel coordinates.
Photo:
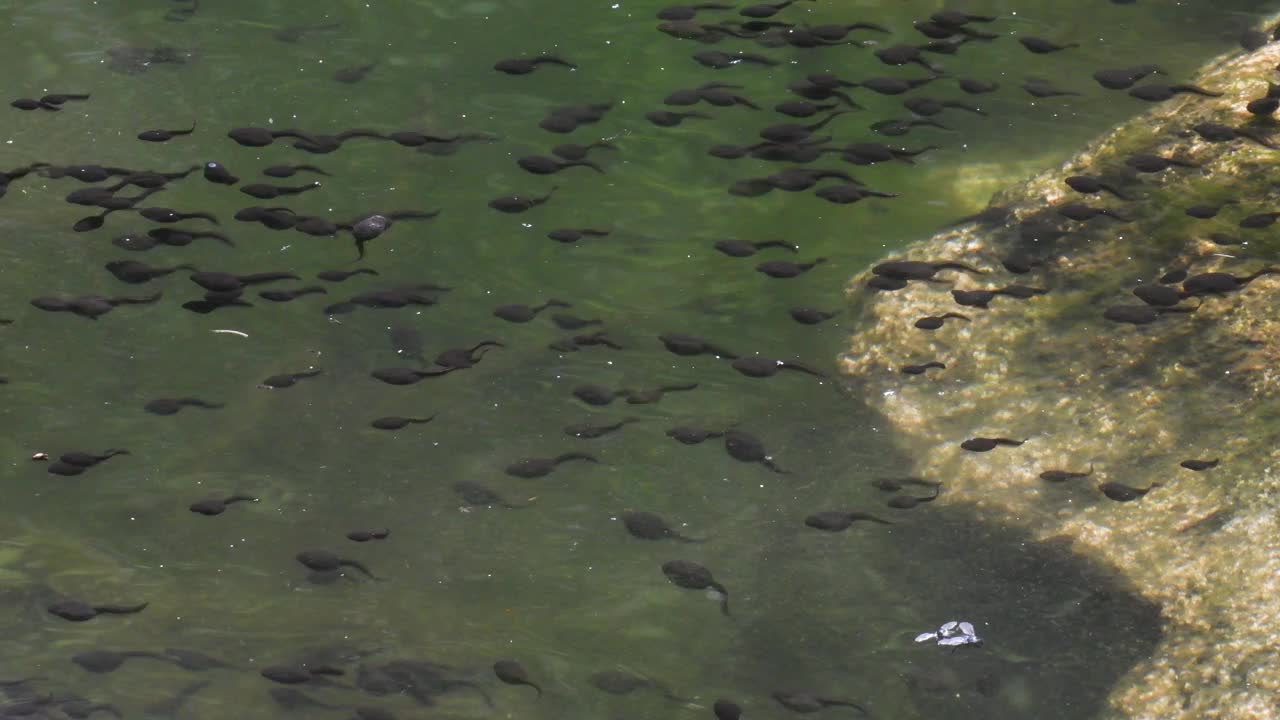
(555, 582)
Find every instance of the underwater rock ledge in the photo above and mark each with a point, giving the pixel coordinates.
(1130, 401)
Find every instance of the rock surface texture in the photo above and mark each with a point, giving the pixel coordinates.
(1131, 400)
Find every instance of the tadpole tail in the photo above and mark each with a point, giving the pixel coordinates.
(769, 464)
(361, 568)
(120, 609)
(1195, 90)
(803, 369)
(724, 597)
(959, 266)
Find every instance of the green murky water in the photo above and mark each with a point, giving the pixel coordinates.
(558, 585)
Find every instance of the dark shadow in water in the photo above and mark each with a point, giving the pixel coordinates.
(837, 614)
(1059, 629)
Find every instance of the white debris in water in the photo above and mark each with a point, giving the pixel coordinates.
(953, 633)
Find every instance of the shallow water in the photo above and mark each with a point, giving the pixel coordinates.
(558, 585)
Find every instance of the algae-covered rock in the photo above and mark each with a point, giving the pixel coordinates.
(1129, 401)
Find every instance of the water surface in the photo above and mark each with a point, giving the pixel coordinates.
(558, 585)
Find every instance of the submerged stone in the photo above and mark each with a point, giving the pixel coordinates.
(1132, 399)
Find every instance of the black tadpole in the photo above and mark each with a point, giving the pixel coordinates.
(985, 444)
(396, 422)
(530, 468)
(1063, 475)
(1199, 465)
(933, 322)
(651, 526)
(164, 135)
(839, 520)
(217, 506)
(745, 447)
(512, 672)
(105, 661)
(1125, 493)
(692, 576)
(327, 562)
(756, 366)
(75, 610)
(519, 203)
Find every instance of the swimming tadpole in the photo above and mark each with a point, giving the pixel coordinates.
(1199, 465)
(75, 610)
(285, 380)
(474, 493)
(756, 366)
(691, 345)
(406, 375)
(745, 447)
(686, 435)
(588, 431)
(105, 661)
(648, 396)
(1056, 476)
(530, 468)
(88, 460)
(1141, 314)
(922, 368)
(171, 406)
(784, 269)
(1040, 46)
(520, 203)
(839, 520)
(326, 562)
(462, 358)
(282, 296)
(651, 526)
(512, 672)
(933, 322)
(1091, 185)
(692, 576)
(218, 505)
(526, 65)
(985, 444)
(810, 316)
(164, 135)
(906, 502)
(1125, 493)
(136, 273)
(396, 422)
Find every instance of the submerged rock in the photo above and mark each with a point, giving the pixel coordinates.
(1133, 400)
